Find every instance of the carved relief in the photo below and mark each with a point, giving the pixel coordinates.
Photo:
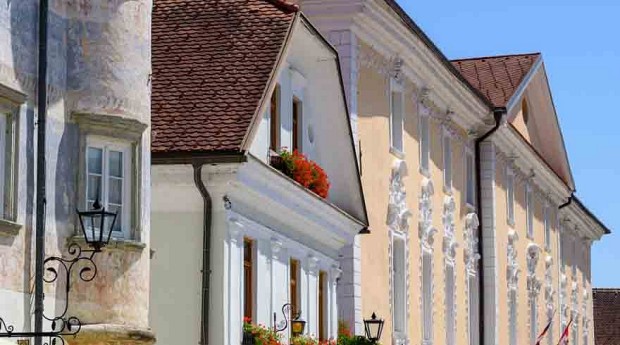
(563, 305)
(426, 231)
(398, 212)
(549, 293)
(533, 283)
(449, 239)
(513, 270)
(470, 251)
(585, 319)
(574, 307)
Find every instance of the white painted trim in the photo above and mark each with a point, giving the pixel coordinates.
(424, 136)
(448, 174)
(514, 100)
(396, 87)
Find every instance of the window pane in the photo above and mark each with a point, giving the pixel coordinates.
(115, 194)
(425, 145)
(94, 187)
(119, 217)
(447, 162)
(470, 179)
(95, 159)
(116, 163)
(397, 121)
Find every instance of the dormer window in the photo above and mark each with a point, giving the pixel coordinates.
(525, 112)
(274, 112)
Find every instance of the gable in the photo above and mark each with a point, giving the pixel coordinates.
(309, 77)
(533, 115)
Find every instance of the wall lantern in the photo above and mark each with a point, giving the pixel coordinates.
(374, 327)
(297, 324)
(97, 225)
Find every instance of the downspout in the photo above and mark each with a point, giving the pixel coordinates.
(206, 254)
(41, 166)
(570, 200)
(498, 113)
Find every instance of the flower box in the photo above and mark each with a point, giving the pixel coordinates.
(306, 172)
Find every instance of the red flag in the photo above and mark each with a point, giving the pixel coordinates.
(564, 337)
(542, 334)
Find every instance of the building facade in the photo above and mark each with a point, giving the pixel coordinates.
(234, 237)
(471, 150)
(97, 147)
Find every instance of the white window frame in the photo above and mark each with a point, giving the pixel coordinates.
(397, 121)
(473, 292)
(470, 175)
(510, 196)
(427, 296)
(425, 144)
(529, 210)
(446, 143)
(125, 147)
(450, 303)
(8, 115)
(533, 317)
(512, 317)
(399, 286)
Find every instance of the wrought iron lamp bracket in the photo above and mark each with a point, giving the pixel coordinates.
(61, 269)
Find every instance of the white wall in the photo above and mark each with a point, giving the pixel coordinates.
(176, 264)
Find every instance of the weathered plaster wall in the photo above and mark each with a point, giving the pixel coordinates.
(99, 63)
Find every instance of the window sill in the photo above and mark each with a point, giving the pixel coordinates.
(9, 228)
(396, 152)
(115, 244)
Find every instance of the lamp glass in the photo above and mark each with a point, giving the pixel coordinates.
(97, 225)
(297, 327)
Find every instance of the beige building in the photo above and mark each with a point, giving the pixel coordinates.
(475, 233)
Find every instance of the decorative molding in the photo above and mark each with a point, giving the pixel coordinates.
(512, 269)
(314, 264)
(449, 239)
(564, 310)
(276, 247)
(549, 293)
(533, 283)
(470, 252)
(398, 225)
(426, 231)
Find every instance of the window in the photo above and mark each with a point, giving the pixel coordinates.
(294, 286)
(472, 282)
(399, 274)
(297, 124)
(425, 144)
(427, 296)
(529, 204)
(7, 157)
(447, 162)
(248, 283)
(274, 123)
(525, 111)
(512, 309)
(322, 305)
(396, 116)
(547, 219)
(450, 306)
(108, 180)
(533, 318)
(510, 196)
(470, 169)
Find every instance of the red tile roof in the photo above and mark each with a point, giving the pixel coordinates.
(606, 316)
(212, 61)
(496, 77)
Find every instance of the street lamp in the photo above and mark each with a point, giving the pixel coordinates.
(96, 225)
(374, 327)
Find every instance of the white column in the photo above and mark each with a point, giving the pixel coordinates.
(350, 287)
(489, 260)
(279, 283)
(332, 303)
(264, 314)
(235, 279)
(312, 325)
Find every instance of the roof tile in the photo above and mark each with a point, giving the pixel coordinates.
(606, 316)
(212, 60)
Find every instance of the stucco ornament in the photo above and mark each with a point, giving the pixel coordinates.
(425, 225)
(549, 292)
(574, 306)
(398, 225)
(563, 305)
(513, 270)
(470, 251)
(449, 241)
(584, 311)
(398, 212)
(533, 283)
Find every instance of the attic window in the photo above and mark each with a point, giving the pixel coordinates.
(525, 111)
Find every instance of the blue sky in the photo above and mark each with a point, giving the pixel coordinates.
(580, 42)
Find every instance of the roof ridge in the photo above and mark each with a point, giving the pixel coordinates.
(496, 56)
(284, 5)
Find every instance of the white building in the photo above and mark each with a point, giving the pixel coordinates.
(232, 236)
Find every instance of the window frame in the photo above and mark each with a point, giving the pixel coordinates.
(529, 210)
(322, 305)
(297, 119)
(425, 144)
(399, 285)
(547, 225)
(510, 196)
(294, 285)
(470, 175)
(396, 87)
(275, 111)
(248, 284)
(127, 148)
(9, 144)
(447, 153)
